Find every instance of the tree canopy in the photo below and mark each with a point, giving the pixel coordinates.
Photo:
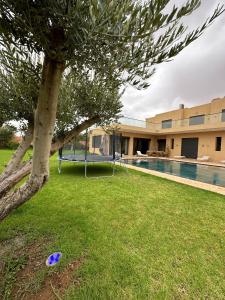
(101, 35)
(82, 95)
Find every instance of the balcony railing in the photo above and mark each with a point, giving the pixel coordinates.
(216, 120)
(132, 122)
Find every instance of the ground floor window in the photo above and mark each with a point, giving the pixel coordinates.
(96, 141)
(141, 144)
(189, 147)
(161, 144)
(172, 143)
(218, 143)
(121, 144)
(124, 145)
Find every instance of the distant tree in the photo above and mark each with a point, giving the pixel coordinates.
(6, 135)
(107, 36)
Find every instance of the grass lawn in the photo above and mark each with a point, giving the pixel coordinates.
(131, 236)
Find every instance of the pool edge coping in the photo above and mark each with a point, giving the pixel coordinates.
(197, 184)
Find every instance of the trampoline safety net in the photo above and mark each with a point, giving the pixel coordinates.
(92, 149)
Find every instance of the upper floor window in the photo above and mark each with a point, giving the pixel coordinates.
(96, 141)
(223, 115)
(197, 120)
(167, 123)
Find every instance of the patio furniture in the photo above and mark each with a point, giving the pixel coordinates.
(117, 154)
(156, 153)
(162, 153)
(140, 154)
(151, 153)
(203, 158)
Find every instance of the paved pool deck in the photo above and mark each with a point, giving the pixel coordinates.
(197, 184)
(189, 160)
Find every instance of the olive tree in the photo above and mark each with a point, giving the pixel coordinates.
(84, 100)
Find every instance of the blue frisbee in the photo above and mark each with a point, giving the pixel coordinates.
(53, 259)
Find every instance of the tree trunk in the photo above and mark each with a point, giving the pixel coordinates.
(11, 181)
(15, 199)
(25, 169)
(45, 116)
(17, 157)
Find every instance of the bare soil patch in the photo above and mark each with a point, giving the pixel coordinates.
(55, 284)
(11, 245)
(26, 286)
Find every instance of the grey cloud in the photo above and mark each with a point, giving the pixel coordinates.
(195, 76)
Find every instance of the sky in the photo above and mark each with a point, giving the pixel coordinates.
(194, 77)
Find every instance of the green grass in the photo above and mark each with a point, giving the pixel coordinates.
(12, 266)
(143, 237)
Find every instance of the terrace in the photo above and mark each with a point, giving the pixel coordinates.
(207, 122)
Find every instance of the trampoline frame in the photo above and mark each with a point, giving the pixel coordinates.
(86, 161)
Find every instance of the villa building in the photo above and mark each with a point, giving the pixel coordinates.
(190, 132)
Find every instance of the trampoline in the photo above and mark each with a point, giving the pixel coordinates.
(73, 153)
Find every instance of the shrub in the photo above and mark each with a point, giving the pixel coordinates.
(12, 145)
(6, 136)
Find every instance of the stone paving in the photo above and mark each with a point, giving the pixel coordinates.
(194, 161)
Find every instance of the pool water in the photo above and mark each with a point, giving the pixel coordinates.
(208, 174)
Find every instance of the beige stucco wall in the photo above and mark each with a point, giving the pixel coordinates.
(180, 117)
(197, 110)
(206, 133)
(206, 144)
(175, 115)
(94, 132)
(215, 106)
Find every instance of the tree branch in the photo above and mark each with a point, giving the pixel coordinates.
(17, 157)
(68, 136)
(12, 180)
(8, 183)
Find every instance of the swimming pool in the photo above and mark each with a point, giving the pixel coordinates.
(208, 174)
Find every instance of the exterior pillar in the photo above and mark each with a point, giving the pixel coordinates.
(131, 146)
(154, 144)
